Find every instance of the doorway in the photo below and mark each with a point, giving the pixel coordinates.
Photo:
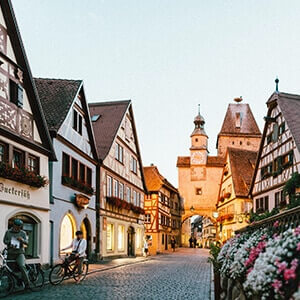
(86, 230)
(166, 242)
(131, 241)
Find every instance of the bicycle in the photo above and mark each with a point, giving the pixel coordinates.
(68, 269)
(9, 278)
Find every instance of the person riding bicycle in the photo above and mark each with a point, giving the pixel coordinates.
(15, 239)
(78, 246)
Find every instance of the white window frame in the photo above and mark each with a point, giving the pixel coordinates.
(108, 186)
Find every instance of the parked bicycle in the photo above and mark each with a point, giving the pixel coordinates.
(69, 268)
(11, 278)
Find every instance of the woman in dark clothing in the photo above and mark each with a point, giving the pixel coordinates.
(173, 243)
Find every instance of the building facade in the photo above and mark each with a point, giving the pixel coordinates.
(278, 156)
(199, 174)
(208, 232)
(121, 182)
(234, 203)
(25, 144)
(73, 176)
(162, 211)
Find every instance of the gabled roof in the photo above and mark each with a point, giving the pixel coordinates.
(290, 108)
(248, 127)
(242, 163)
(155, 181)
(106, 127)
(110, 115)
(22, 61)
(57, 96)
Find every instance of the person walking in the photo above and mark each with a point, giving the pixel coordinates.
(195, 242)
(78, 246)
(173, 243)
(191, 241)
(146, 247)
(15, 239)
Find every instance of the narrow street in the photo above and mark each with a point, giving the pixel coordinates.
(181, 275)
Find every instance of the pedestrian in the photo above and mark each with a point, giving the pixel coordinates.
(78, 247)
(173, 243)
(146, 250)
(191, 242)
(15, 239)
(195, 242)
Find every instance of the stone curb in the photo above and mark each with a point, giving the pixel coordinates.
(212, 283)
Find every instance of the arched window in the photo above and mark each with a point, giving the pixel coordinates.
(67, 231)
(30, 226)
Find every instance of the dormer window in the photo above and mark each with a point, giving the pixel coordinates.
(238, 120)
(95, 118)
(77, 121)
(15, 93)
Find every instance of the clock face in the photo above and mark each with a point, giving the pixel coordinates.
(197, 158)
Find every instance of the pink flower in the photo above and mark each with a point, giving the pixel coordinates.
(295, 263)
(281, 266)
(277, 284)
(276, 224)
(289, 274)
(298, 246)
(297, 230)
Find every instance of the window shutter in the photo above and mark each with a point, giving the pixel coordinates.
(20, 96)
(275, 132)
(291, 156)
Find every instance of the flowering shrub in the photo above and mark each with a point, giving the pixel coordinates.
(267, 264)
(120, 203)
(82, 186)
(22, 175)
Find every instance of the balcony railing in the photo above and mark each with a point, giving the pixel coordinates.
(288, 218)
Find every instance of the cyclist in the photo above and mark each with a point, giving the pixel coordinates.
(78, 246)
(15, 239)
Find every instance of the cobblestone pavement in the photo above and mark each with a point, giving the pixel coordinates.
(184, 274)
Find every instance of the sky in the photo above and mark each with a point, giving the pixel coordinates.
(167, 56)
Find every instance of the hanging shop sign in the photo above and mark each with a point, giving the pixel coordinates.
(82, 201)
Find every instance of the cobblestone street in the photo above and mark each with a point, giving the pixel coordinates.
(182, 275)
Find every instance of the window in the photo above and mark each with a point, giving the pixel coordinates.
(77, 121)
(238, 120)
(262, 204)
(95, 118)
(147, 218)
(110, 237)
(176, 206)
(116, 188)
(121, 191)
(108, 186)
(133, 165)
(119, 153)
(128, 194)
(275, 132)
(279, 197)
(139, 203)
(18, 159)
(67, 231)
(15, 93)
(139, 244)
(89, 176)
(66, 165)
(30, 226)
(82, 172)
(269, 138)
(171, 204)
(33, 164)
(281, 128)
(199, 191)
(134, 198)
(121, 233)
(74, 168)
(3, 152)
(163, 239)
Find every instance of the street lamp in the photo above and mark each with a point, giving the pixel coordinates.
(215, 214)
(192, 209)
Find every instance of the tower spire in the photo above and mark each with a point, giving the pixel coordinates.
(199, 109)
(276, 82)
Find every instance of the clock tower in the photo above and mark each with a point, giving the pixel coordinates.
(199, 141)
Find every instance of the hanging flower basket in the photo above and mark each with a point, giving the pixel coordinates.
(78, 185)
(22, 175)
(227, 195)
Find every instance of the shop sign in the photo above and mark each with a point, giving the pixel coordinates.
(82, 201)
(10, 190)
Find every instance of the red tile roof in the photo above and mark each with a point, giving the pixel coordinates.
(242, 164)
(154, 180)
(183, 161)
(248, 123)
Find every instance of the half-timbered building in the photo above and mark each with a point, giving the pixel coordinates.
(25, 144)
(278, 156)
(73, 176)
(121, 184)
(162, 201)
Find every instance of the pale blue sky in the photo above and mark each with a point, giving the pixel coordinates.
(167, 56)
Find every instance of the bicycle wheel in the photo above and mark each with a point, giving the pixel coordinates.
(36, 279)
(6, 283)
(57, 274)
(85, 269)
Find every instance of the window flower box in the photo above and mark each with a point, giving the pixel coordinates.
(22, 175)
(222, 199)
(227, 195)
(120, 203)
(78, 185)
